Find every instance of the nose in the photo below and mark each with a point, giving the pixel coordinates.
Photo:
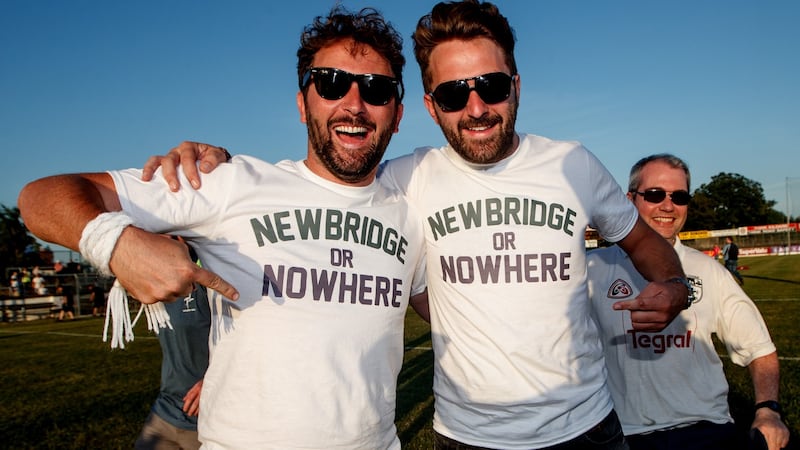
(352, 101)
(667, 204)
(476, 107)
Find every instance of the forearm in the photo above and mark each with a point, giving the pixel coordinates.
(651, 254)
(57, 208)
(765, 373)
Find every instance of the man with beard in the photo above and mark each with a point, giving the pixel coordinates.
(307, 352)
(519, 363)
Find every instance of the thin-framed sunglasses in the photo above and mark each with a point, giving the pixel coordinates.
(333, 84)
(491, 87)
(655, 195)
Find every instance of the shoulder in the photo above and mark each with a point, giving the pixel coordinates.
(399, 172)
(540, 142)
(411, 159)
(697, 263)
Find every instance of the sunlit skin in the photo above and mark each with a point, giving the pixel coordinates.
(666, 218)
(480, 133)
(348, 137)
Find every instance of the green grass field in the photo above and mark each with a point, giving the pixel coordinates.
(63, 388)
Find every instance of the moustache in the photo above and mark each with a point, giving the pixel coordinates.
(481, 122)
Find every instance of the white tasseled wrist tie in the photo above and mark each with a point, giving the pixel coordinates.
(118, 317)
(99, 238)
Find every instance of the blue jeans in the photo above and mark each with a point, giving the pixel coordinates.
(607, 435)
(732, 265)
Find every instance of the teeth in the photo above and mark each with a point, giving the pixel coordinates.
(350, 130)
(479, 128)
(663, 219)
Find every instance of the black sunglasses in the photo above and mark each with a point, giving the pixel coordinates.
(491, 87)
(333, 84)
(680, 198)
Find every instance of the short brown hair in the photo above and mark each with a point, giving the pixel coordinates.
(466, 19)
(365, 27)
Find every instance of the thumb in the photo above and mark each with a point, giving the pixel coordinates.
(213, 281)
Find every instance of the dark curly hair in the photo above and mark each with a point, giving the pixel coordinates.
(366, 27)
(466, 19)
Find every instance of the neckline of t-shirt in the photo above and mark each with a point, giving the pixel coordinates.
(347, 190)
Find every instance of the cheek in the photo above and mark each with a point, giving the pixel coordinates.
(682, 219)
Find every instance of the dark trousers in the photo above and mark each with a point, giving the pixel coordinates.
(700, 436)
(607, 435)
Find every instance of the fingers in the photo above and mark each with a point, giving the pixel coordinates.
(150, 167)
(132, 262)
(211, 156)
(215, 282)
(645, 317)
(154, 293)
(187, 153)
(191, 401)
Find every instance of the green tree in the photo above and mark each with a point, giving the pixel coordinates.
(15, 240)
(730, 200)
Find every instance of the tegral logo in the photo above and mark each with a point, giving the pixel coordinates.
(660, 342)
(620, 289)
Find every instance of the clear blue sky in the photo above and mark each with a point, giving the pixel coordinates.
(90, 85)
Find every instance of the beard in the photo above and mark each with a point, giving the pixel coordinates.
(350, 166)
(484, 151)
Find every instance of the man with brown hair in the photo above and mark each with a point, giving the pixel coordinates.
(326, 260)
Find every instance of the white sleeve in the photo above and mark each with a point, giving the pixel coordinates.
(739, 323)
(613, 214)
(155, 208)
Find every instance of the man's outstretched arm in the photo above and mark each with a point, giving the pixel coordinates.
(57, 208)
(151, 268)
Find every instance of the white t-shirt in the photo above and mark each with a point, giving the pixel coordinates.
(518, 359)
(673, 377)
(38, 285)
(309, 355)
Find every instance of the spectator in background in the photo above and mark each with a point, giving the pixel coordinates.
(669, 388)
(38, 283)
(730, 255)
(24, 280)
(67, 303)
(14, 284)
(172, 422)
(98, 299)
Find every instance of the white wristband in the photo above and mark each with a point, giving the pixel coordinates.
(99, 238)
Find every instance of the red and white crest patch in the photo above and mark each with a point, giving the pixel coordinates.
(620, 289)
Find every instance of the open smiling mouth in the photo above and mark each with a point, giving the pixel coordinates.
(351, 131)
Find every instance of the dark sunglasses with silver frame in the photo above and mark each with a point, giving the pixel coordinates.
(491, 87)
(333, 84)
(656, 195)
